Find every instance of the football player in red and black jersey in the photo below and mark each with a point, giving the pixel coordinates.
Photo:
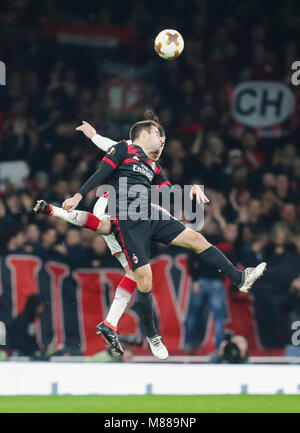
(136, 166)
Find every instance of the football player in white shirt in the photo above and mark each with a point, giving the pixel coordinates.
(127, 286)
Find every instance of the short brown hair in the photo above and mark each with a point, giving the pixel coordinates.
(137, 128)
(149, 114)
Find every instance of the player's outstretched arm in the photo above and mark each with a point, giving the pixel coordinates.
(103, 143)
(95, 180)
(108, 164)
(87, 129)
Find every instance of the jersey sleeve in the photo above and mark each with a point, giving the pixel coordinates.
(104, 143)
(160, 179)
(115, 155)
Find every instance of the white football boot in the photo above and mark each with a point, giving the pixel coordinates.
(251, 275)
(158, 349)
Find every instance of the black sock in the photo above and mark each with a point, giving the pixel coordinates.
(146, 309)
(213, 256)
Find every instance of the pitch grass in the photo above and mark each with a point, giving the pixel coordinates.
(151, 404)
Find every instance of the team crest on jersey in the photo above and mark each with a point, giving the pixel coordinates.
(153, 165)
(135, 259)
(111, 150)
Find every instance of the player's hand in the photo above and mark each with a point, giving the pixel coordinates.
(200, 196)
(87, 129)
(71, 203)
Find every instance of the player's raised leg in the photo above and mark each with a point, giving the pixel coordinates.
(143, 278)
(214, 257)
(123, 294)
(76, 217)
(126, 287)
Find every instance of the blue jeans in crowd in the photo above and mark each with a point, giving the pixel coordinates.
(212, 293)
(293, 351)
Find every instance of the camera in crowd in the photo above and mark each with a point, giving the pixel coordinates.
(233, 350)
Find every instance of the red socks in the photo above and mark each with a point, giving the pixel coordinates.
(91, 222)
(128, 285)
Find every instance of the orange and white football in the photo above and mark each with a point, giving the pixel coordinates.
(169, 44)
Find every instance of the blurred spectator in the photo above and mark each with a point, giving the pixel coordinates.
(87, 236)
(215, 146)
(288, 215)
(41, 185)
(49, 238)
(233, 350)
(73, 248)
(234, 160)
(72, 238)
(21, 332)
(281, 237)
(62, 228)
(255, 252)
(291, 306)
(284, 158)
(14, 209)
(264, 67)
(214, 290)
(60, 192)
(207, 287)
(174, 157)
(16, 240)
(269, 181)
(253, 158)
(269, 208)
(32, 234)
(59, 167)
(282, 189)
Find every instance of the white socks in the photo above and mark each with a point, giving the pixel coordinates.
(118, 306)
(75, 217)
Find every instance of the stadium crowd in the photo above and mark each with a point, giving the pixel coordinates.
(253, 182)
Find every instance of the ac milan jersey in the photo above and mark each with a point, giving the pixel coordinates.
(128, 169)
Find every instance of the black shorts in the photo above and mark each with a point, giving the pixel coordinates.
(135, 236)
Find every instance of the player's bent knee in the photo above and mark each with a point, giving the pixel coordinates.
(145, 288)
(144, 284)
(143, 278)
(104, 227)
(199, 243)
(192, 240)
(129, 273)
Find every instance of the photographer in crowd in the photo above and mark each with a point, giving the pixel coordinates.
(232, 350)
(291, 307)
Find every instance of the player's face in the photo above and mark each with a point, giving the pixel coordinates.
(155, 144)
(163, 140)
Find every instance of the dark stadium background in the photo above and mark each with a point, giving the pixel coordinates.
(94, 61)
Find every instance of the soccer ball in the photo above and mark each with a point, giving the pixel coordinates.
(169, 44)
